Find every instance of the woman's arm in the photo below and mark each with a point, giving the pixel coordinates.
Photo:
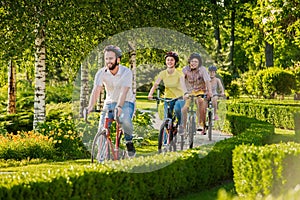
(155, 85)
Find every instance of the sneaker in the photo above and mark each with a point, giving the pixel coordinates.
(181, 130)
(130, 149)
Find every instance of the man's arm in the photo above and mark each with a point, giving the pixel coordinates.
(122, 97)
(94, 96)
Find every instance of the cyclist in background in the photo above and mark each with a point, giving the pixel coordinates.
(217, 88)
(174, 82)
(197, 82)
(117, 81)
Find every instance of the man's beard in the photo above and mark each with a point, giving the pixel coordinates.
(113, 66)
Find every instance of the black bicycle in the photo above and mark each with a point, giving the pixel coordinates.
(168, 131)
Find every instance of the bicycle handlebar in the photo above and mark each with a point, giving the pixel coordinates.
(116, 117)
(166, 99)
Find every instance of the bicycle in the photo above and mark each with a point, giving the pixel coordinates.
(209, 122)
(168, 129)
(102, 146)
(191, 123)
(210, 117)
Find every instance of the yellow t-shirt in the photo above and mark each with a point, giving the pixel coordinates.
(173, 87)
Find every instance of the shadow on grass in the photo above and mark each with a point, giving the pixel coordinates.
(211, 194)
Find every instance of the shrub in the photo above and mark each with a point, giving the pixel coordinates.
(277, 81)
(234, 90)
(66, 138)
(59, 93)
(26, 145)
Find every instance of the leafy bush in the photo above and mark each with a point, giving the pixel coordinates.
(270, 169)
(26, 145)
(66, 138)
(268, 82)
(12, 123)
(277, 81)
(58, 110)
(59, 93)
(234, 89)
(143, 124)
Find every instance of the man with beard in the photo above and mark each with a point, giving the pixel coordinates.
(117, 81)
(197, 82)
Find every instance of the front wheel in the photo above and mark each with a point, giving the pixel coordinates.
(210, 125)
(101, 148)
(191, 131)
(166, 138)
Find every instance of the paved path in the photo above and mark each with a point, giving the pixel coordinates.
(198, 138)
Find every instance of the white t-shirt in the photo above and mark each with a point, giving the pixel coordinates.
(114, 83)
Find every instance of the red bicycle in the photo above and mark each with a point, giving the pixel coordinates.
(102, 147)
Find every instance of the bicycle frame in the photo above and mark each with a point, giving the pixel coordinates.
(169, 126)
(115, 148)
(209, 118)
(106, 148)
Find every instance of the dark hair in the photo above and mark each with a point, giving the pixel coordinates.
(172, 54)
(115, 49)
(212, 68)
(197, 56)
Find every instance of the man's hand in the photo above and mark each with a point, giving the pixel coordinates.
(119, 108)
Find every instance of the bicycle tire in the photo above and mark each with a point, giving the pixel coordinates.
(181, 142)
(101, 148)
(191, 131)
(161, 137)
(210, 125)
(173, 141)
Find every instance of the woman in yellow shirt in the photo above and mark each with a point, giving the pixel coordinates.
(174, 85)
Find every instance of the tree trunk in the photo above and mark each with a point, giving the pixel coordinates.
(101, 98)
(84, 88)
(232, 40)
(132, 56)
(12, 88)
(218, 38)
(269, 54)
(40, 79)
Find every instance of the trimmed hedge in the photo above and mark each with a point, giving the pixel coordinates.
(271, 169)
(280, 115)
(165, 177)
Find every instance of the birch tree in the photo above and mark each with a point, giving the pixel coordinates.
(12, 88)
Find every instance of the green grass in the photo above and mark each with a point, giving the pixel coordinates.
(143, 103)
(282, 135)
(211, 194)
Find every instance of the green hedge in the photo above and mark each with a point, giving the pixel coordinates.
(165, 177)
(280, 115)
(271, 169)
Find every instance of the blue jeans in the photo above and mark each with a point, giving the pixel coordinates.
(125, 118)
(176, 106)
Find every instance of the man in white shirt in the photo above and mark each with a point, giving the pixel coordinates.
(117, 81)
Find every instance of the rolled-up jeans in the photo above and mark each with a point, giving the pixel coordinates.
(125, 118)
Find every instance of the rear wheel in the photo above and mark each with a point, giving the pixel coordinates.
(101, 148)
